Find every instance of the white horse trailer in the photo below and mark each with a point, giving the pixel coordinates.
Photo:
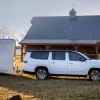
(7, 55)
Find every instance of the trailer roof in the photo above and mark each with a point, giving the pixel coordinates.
(7, 40)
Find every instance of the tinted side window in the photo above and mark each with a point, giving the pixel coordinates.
(58, 55)
(39, 55)
(73, 56)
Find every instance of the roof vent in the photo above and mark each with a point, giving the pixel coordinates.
(72, 13)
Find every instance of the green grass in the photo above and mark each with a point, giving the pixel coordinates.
(51, 89)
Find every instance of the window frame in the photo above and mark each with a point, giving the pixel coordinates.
(81, 56)
(59, 52)
(39, 58)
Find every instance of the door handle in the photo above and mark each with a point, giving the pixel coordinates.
(53, 62)
(71, 63)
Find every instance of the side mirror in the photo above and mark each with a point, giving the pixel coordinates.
(82, 59)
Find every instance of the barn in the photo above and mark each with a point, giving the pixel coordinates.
(79, 33)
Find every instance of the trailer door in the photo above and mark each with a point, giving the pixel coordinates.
(6, 56)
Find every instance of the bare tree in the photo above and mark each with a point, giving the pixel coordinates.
(6, 34)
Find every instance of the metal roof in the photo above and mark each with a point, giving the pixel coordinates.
(53, 41)
(63, 29)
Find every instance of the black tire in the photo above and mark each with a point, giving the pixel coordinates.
(94, 75)
(41, 73)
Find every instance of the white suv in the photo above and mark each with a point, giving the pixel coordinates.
(45, 63)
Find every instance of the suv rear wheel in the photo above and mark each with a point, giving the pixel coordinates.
(94, 75)
(41, 73)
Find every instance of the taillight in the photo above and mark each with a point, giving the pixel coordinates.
(25, 61)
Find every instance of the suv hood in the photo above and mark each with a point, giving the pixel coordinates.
(93, 62)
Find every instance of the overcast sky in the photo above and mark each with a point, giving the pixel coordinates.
(17, 14)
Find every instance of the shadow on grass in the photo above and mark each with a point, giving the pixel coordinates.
(46, 89)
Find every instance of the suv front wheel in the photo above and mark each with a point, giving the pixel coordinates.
(94, 75)
(41, 73)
